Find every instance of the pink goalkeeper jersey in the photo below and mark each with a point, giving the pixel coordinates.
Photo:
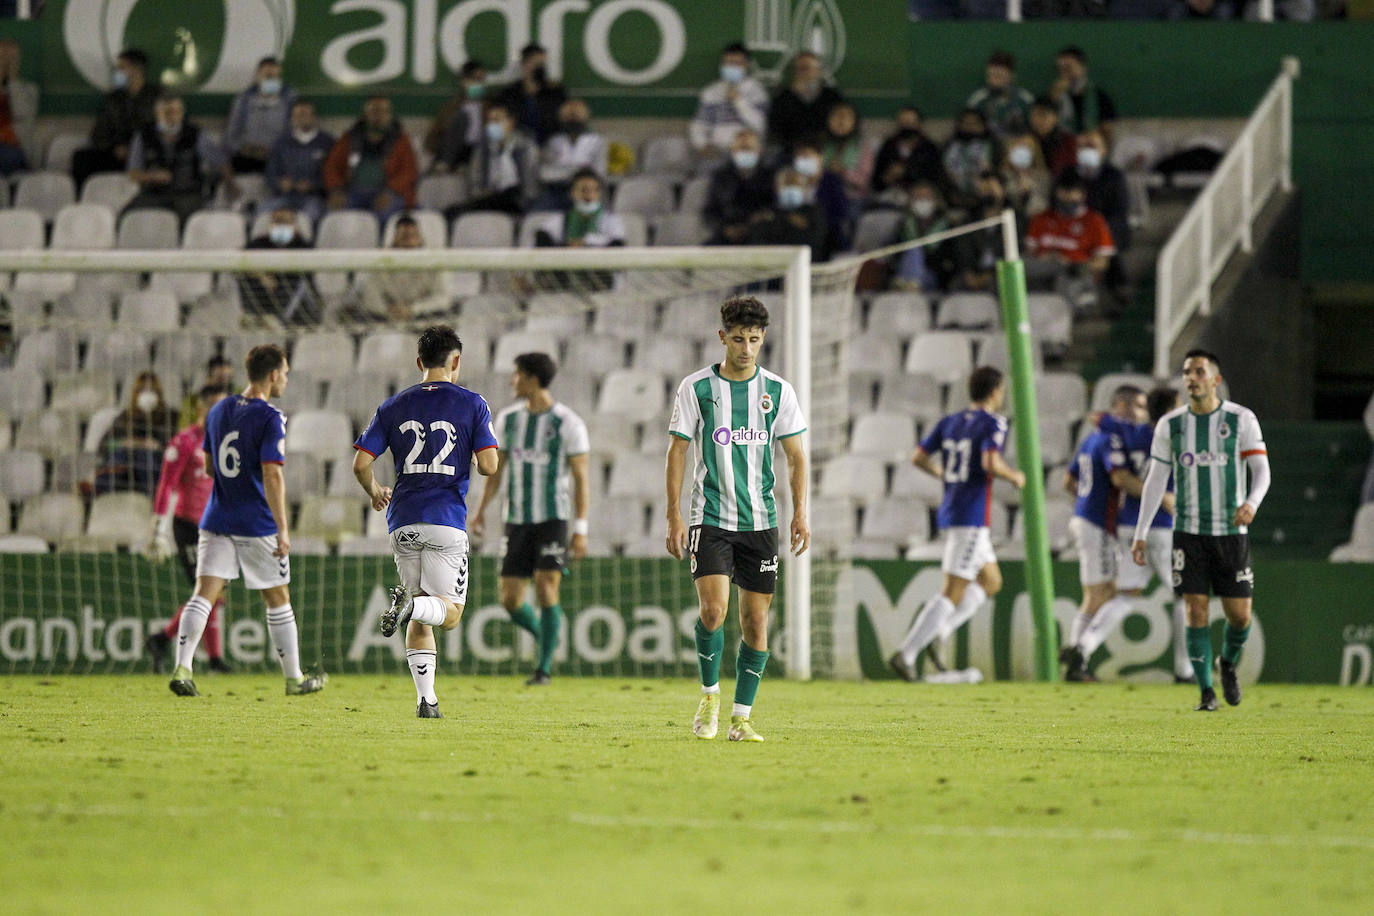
(183, 473)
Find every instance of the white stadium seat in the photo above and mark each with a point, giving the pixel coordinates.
(323, 433)
(888, 436)
(119, 520)
(900, 314)
(853, 477)
(968, 311)
(148, 229)
(331, 519)
(1360, 547)
(22, 473)
(645, 195)
(323, 354)
(46, 192)
(636, 394)
(112, 190)
(149, 311)
(945, 355)
(83, 227)
(54, 517)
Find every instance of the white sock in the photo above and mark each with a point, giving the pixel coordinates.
(1080, 623)
(739, 709)
(714, 688)
(429, 610)
(973, 599)
(927, 626)
(1183, 666)
(1107, 618)
(422, 663)
(281, 624)
(193, 618)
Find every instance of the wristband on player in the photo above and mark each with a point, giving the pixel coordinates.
(580, 526)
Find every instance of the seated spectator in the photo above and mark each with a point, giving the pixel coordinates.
(794, 218)
(1057, 146)
(291, 298)
(739, 189)
(260, 116)
(1107, 193)
(372, 166)
(1069, 246)
(975, 254)
(402, 295)
(219, 373)
(457, 128)
(1004, 105)
(534, 99)
(587, 223)
(846, 153)
(800, 109)
(735, 102)
(295, 168)
(1082, 106)
(18, 110)
(1204, 9)
(573, 149)
(970, 152)
(906, 156)
(124, 112)
(131, 451)
(826, 190)
(502, 174)
(1024, 174)
(173, 161)
(928, 267)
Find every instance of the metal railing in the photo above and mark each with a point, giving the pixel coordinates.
(1222, 218)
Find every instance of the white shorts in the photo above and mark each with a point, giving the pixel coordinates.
(224, 555)
(967, 551)
(1159, 547)
(432, 560)
(1097, 552)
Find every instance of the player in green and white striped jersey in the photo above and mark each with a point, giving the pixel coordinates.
(542, 444)
(1204, 444)
(730, 414)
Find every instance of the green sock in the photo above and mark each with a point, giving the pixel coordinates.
(550, 622)
(710, 645)
(1232, 641)
(524, 618)
(1200, 654)
(749, 666)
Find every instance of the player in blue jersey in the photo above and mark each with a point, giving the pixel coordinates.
(244, 527)
(1096, 506)
(969, 444)
(434, 430)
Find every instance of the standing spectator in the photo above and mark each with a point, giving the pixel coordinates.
(402, 295)
(502, 174)
(295, 168)
(1082, 106)
(534, 99)
(219, 373)
(847, 154)
(970, 152)
(18, 110)
(1069, 246)
(124, 112)
(372, 166)
(173, 161)
(573, 149)
(131, 451)
(735, 102)
(587, 223)
(1024, 173)
(927, 267)
(739, 189)
(1057, 146)
(975, 255)
(907, 156)
(799, 110)
(260, 116)
(794, 218)
(288, 297)
(1003, 104)
(457, 128)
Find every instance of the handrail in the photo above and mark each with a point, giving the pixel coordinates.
(1222, 217)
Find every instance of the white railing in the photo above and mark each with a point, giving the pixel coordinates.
(1222, 218)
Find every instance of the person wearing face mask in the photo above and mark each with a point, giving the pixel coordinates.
(124, 112)
(906, 156)
(740, 188)
(825, 189)
(846, 153)
(800, 109)
(1024, 173)
(734, 102)
(1003, 104)
(401, 295)
(927, 267)
(534, 99)
(295, 167)
(1107, 191)
(587, 223)
(1069, 246)
(290, 298)
(372, 166)
(794, 218)
(970, 152)
(457, 128)
(173, 161)
(575, 148)
(1058, 147)
(131, 450)
(260, 116)
(18, 110)
(503, 174)
(975, 254)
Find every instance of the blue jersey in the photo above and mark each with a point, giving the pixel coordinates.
(432, 429)
(241, 435)
(1135, 457)
(961, 439)
(1098, 501)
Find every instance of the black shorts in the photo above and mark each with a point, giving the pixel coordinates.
(543, 545)
(749, 558)
(186, 535)
(1213, 564)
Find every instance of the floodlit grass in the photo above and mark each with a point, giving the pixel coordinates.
(592, 797)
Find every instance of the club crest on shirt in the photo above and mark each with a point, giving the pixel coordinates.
(1224, 431)
(766, 403)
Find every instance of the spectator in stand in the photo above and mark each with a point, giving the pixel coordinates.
(794, 218)
(295, 167)
(260, 116)
(219, 373)
(1004, 105)
(907, 156)
(800, 110)
(587, 223)
(847, 154)
(534, 99)
(457, 128)
(1057, 146)
(574, 148)
(1108, 195)
(975, 255)
(403, 295)
(291, 298)
(1024, 175)
(503, 173)
(173, 161)
(970, 152)
(124, 112)
(740, 188)
(928, 267)
(1082, 106)
(825, 189)
(131, 450)
(1204, 9)
(18, 110)
(1069, 246)
(736, 102)
(372, 166)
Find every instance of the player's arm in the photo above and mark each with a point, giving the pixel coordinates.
(582, 499)
(1151, 494)
(362, 472)
(800, 535)
(676, 468)
(926, 462)
(488, 461)
(1126, 480)
(1257, 461)
(274, 488)
(1070, 481)
(490, 489)
(174, 462)
(997, 466)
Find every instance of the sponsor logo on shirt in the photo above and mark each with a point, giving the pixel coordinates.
(1204, 459)
(742, 435)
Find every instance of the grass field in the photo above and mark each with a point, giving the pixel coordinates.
(592, 797)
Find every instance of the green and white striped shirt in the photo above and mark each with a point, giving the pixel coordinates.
(732, 427)
(1207, 453)
(537, 447)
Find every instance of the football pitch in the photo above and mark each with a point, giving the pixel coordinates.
(591, 796)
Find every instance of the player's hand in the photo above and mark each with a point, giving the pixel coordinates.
(1168, 503)
(381, 498)
(578, 548)
(1018, 479)
(159, 546)
(1138, 552)
(283, 545)
(477, 525)
(1244, 515)
(677, 538)
(801, 535)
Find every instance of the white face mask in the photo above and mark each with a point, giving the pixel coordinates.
(1020, 157)
(146, 400)
(587, 207)
(496, 131)
(923, 207)
(305, 136)
(809, 166)
(281, 234)
(1089, 157)
(270, 86)
(731, 73)
(745, 159)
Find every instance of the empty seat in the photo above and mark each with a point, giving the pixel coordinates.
(323, 354)
(694, 195)
(21, 390)
(46, 192)
(993, 352)
(149, 311)
(661, 354)
(685, 229)
(46, 352)
(876, 228)
(303, 476)
(22, 543)
(624, 320)
(120, 352)
(889, 436)
(82, 393)
(50, 432)
(343, 229)
(917, 396)
(1051, 320)
(58, 157)
(389, 355)
(209, 230)
(182, 354)
(302, 393)
(1360, 547)
(54, 517)
(834, 523)
(611, 436)
(853, 477)
(636, 394)
(971, 311)
(636, 475)
(875, 354)
(83, 227)
(119, 520)
(947, 356)
(595, 354)
(645, 195)
(343, 484)
(1104, 386)
(324, 433)
(900, 520)
(88, 309)
(667, 155)
(910, 481)
(1061, 393)
(21, 473)
(358, 395)
(329, 518)
(483, 229)
(112, 190)
(636, 229)
(439, 192)
(148, 229)
(366, 546)
(900, 314)
(514, 343)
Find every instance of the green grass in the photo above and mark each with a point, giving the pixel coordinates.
(592, 797)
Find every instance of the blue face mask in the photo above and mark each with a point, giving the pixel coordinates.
(745, 159)
(587, 207)
(119, 79)
(731, 73)
(496, 131)
(281, 234)
(270, 86)
(790, 197)
(808, 166)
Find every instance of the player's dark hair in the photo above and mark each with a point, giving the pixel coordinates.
(263, 360)
(743, 312)
(210, 392)
(587, 172)
(539, 365)
(1205, 354)
(1126, 393)
(436, 343)
(405, 219)
(269, 59)
(135, 56)
(1160, 401)
(735, 47)
(983, 382)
